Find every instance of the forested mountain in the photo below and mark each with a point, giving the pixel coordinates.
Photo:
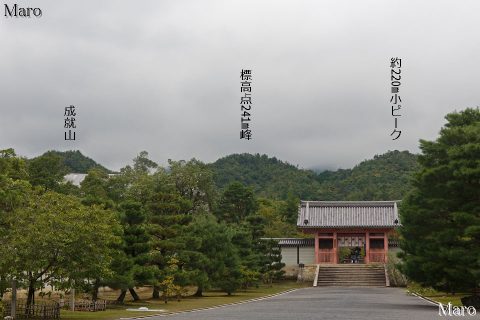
(74, 161)
(269, 177)
(385, 177)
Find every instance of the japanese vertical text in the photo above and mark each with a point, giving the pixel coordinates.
(395, 100)
(69, 123)
(245, 104)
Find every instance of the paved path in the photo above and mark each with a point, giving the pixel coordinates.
(352, 303)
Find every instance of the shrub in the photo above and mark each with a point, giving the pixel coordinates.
(343, 253)
(249, 277)
(397, 279)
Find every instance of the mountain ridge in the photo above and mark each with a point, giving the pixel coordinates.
(383, 177)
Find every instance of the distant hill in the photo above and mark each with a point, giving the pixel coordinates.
(76, 162)
(385, 177)
(269, 177)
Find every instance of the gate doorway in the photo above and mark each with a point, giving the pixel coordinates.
(326, 252)
(351, 248)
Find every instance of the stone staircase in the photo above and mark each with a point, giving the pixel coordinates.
(351, 275)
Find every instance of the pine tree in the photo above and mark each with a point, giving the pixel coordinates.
(137, 245)
(441, 216)
(236, 203)
(167, 220)
(212, 257)
(272, 269)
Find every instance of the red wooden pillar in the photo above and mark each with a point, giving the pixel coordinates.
(367, 247)
(317, 260)
(335, 259)
(385, 247)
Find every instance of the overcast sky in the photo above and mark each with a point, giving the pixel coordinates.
(163, 76)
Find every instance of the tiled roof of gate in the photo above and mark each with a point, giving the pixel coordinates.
(293, 242)
(344, 214)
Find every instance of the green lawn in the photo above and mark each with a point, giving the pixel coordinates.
(437, 296)
(212, 298)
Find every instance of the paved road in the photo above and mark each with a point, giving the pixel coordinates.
(352, 303)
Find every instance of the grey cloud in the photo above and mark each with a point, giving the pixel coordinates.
(162, 76)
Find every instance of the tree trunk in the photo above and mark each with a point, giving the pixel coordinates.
(2, 287)
(31, 293)
(122, 295)
(134, 294)
(199, 292)
(96, 285)
(156, 293)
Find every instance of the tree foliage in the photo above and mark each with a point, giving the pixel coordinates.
(187, 224)
(75, 162)
(54, 236)
(383, 177)
(47, 171)
(212, 256)
(441, 216)
(236, 203)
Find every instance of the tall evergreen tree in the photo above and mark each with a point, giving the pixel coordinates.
(167, 219)
(94, 189)
(290, 209)
(212, 257)
(136, 246)
(236, 203)
(272, 269)
(47, 171)
(12, 166)
(193, 180)
(14, 194)
(441, 216)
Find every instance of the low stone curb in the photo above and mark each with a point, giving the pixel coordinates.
(212, 307)
(424, 298)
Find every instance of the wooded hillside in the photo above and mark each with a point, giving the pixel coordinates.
(384, 177)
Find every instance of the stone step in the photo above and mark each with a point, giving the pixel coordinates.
(349, 272)
(353, 266)
(366, 284)
(351, 275)
(352, 282)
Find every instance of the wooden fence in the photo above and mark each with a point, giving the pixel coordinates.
(40, 311)
(88, 305)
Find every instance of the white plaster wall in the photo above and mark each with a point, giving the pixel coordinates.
(307, 255)
(289, 256)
